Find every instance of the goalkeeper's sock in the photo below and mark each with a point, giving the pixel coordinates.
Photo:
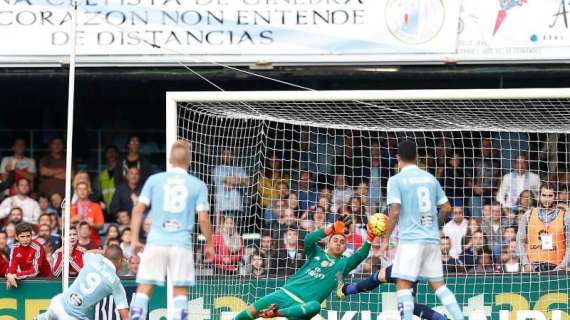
(425, 312)
(302, 311)
(367, 284)
(447, 298)
(139, 307)
(181, 307)
(244, 315)
(405, 304)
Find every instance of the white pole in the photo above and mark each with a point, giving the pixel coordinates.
(171, 136)
(69, 150)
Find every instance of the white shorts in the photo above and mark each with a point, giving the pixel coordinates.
(418, 262)
(56, 311)
(158, 261)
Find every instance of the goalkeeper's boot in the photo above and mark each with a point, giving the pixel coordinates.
(270, 312)
(340, 286)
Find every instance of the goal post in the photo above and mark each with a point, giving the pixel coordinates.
(279, 164)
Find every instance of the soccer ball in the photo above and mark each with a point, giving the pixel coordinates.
(377, 224)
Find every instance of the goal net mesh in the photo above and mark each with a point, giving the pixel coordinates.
(279, 169)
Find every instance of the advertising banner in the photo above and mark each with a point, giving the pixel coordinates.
(504, 297)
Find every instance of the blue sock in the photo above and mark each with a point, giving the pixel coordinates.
(41, 316)
(448, 300)
(367, 284)
(181, 308)
(405, 304)
(139, 307)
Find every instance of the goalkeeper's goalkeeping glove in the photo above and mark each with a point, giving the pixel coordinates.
(340, 226)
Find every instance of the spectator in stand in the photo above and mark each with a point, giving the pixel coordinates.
(285, 222)
(55, 225)
(472, 249)
(516, 182)
(450, 264)
(494, 227)
(105, 183)
(126, 242)
(267, 246)
(290, 255)
(16, 215)
(313, 220)
(30, 207)
(22, 166)
(52, 169)
(563, 197)
(6, 182)
(75, 258)
(358, 212)
(88, 211)
(341, 194)
(84, 233)
(229, 248)
(134, 262)
(510, 234)
(543, 236)
(257, 266)
(273, 212)
(123, 219)
(484, 262)
(55, 200)
(455, 230)
(352, 162)
(4, 248)
(388, 160)
(127, 194)
(306, 191)
(113, 232)
(524, 203)
(453, 178)
(10, 233)
(43, 202)
(268, 183)
(486, 177)
(82, 176)
(293, 204)
(4, 262)
(362, 192)
(27, 259)
(230, 183)
(354, 240)
(510, 261)
(133, 159)
(44, 238)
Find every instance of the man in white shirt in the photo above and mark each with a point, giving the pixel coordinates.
(30, 207)
(23, 167)
(455, 230)
(516, 182)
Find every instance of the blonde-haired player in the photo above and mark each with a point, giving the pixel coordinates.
(174, 197)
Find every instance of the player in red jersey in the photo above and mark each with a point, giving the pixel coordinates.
(75, 259)
(28, 258)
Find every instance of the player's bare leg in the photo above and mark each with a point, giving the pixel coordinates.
(139, 306)
(447, 298)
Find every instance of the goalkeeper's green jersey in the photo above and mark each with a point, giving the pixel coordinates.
(317, 278)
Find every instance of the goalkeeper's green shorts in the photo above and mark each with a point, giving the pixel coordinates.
(280, 298)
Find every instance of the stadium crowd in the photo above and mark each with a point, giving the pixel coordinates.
(506, 218)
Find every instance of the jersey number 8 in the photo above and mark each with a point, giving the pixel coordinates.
(174, 198)
(424, 199)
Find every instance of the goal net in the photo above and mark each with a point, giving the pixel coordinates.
(281, 164)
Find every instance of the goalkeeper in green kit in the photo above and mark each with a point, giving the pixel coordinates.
(303, 293)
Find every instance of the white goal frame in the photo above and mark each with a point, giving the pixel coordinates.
(364, 96)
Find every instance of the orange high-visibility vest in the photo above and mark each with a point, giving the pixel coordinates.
(555, 229)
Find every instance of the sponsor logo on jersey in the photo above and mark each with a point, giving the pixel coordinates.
(76, 299)
(324, 264)
(171, 225)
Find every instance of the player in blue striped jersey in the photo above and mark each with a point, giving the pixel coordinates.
(414, 196)
(174, 198)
